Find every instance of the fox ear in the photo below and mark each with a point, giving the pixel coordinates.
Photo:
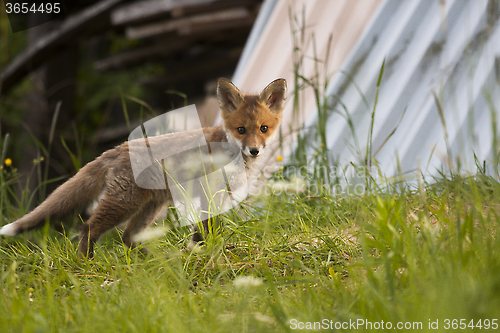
(274, 95)
(230, 97)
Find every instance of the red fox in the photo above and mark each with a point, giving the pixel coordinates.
(249, 121)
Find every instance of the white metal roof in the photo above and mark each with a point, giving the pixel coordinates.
(448, 48)
(444, 48)
(268, 53)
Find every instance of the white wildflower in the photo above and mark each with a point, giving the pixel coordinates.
(150, 233)
(247, 281)
(294, 185)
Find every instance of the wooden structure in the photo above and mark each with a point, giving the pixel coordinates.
(162, 28)
(194, 41)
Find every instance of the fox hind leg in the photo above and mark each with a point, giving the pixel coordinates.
(108, 214)
(141, 220)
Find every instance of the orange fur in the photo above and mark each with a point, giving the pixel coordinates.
(111, 173)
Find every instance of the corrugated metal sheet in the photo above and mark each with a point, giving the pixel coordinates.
(269, 50)
(449, 49)
(442, 52)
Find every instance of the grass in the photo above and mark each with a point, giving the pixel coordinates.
(424, 258)
(407, 257)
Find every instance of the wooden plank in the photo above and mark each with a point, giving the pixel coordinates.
(138, 56)
(110, 134)
(168, 45)
(217, 5)
(147, 10)
(197, 70)
(91, 19)
(209, 26)
(205, 22)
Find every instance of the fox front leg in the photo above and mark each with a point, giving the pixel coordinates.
(209, 226)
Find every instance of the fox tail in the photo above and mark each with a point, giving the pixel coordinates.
(74, 193)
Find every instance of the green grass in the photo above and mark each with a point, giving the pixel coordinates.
(395, 254)
(408, 257)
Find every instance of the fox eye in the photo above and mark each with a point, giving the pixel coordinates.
(241, 130)
(263, 128)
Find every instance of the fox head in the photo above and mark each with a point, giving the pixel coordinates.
(251, 121)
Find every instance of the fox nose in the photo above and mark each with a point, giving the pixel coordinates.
(254, 151)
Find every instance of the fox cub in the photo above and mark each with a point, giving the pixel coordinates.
(248, 121)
